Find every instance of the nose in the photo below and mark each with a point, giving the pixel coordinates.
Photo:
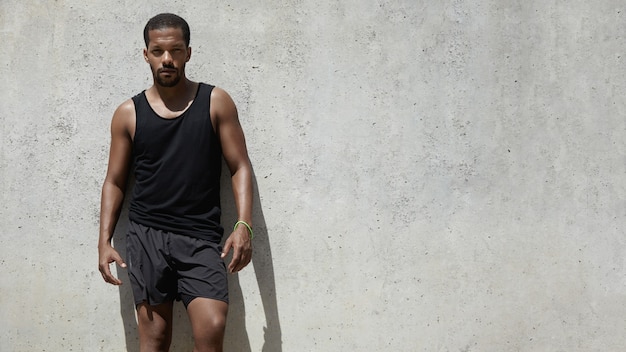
(167, 57)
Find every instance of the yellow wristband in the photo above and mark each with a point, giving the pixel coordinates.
(246, 224)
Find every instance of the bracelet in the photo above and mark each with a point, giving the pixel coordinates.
(246, 224)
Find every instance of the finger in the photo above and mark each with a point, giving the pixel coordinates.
(247, 260)
(104, 271)
(235, 261)
(113, 280)
(119, 261)
(246, 257)
(107, 276)
(227, 247)
(105, 268)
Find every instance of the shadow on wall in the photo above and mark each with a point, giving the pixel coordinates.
(236, 338)
(236, 334)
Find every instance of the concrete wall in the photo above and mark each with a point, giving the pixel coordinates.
(431, 175)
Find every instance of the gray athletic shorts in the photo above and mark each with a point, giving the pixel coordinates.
(164, 266)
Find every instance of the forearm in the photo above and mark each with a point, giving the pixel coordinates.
(241, 238)
(242, 192)
(110, 208)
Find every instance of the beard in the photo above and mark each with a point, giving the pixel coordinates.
(167, 82)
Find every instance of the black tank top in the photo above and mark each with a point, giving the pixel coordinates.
(177, 166)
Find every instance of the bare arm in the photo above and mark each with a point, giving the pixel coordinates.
(226, 121)
(122, 130)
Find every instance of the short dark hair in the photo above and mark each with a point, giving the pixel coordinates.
(166, 20)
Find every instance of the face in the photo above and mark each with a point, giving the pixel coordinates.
(167, 55)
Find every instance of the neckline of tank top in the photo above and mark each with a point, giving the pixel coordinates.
(145, 97)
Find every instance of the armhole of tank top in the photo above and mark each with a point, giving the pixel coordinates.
(210, 88)
(136, 102)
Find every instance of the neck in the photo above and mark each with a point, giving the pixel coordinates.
(171, 94)
(172, 100)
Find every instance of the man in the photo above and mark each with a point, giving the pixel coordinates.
(176, 133)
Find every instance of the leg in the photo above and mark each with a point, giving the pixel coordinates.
(208, 321)
(155, 327)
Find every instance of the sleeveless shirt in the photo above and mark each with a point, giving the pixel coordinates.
(177, 165)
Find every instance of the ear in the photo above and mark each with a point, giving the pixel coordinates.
(145, 55)
(188, 54)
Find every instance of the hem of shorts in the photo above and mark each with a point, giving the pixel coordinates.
(225, 300)
(138, 303)
(152, 304)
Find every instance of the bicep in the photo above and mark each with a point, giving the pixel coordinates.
(121, 146)
(229, 130)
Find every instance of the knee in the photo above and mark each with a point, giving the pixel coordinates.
(208, 321)
(155, 328)
(213, 325)
(218, 322)
(209, 333)
(155, 333)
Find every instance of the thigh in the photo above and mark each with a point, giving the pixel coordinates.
(208, 322)
(155, 326)
(200, 269)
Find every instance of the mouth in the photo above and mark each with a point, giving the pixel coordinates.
(167, 71)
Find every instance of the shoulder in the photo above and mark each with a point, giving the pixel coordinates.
(125, 108)
(220, 96)
(124, 117)
(222, 105)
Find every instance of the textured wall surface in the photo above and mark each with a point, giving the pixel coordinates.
(431, 175)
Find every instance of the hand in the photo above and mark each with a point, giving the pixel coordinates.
(107, 255)
(241, 244)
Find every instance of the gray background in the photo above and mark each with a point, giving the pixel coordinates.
(431, 175)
